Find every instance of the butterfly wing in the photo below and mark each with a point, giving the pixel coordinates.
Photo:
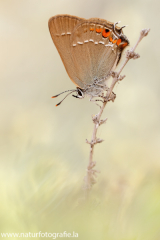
(61, 28)
(89, 49)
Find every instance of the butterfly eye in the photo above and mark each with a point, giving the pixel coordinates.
(79, 92)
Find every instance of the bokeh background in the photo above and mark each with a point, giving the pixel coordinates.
(43, 154)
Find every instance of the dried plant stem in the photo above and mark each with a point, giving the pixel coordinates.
(91, 173)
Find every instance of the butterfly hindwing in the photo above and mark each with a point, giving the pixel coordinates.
(94, 55)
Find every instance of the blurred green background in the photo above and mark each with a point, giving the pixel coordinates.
(43, 154)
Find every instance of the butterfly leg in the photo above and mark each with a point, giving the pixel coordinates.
(96, 100)
(112, 97)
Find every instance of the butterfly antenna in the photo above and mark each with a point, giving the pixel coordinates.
(65, 97)
(62, 93)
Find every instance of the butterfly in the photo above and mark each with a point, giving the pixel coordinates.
(90, 49)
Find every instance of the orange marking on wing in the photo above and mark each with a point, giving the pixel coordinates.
(111, 39)
(119, 41)
(115, 41)
(105, 33)
(98, 30)
(92, 29)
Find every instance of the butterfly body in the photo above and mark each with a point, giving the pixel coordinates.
(89, 49)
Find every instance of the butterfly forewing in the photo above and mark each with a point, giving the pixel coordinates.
(61, 28)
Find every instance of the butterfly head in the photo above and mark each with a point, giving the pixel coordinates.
(79, 94)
